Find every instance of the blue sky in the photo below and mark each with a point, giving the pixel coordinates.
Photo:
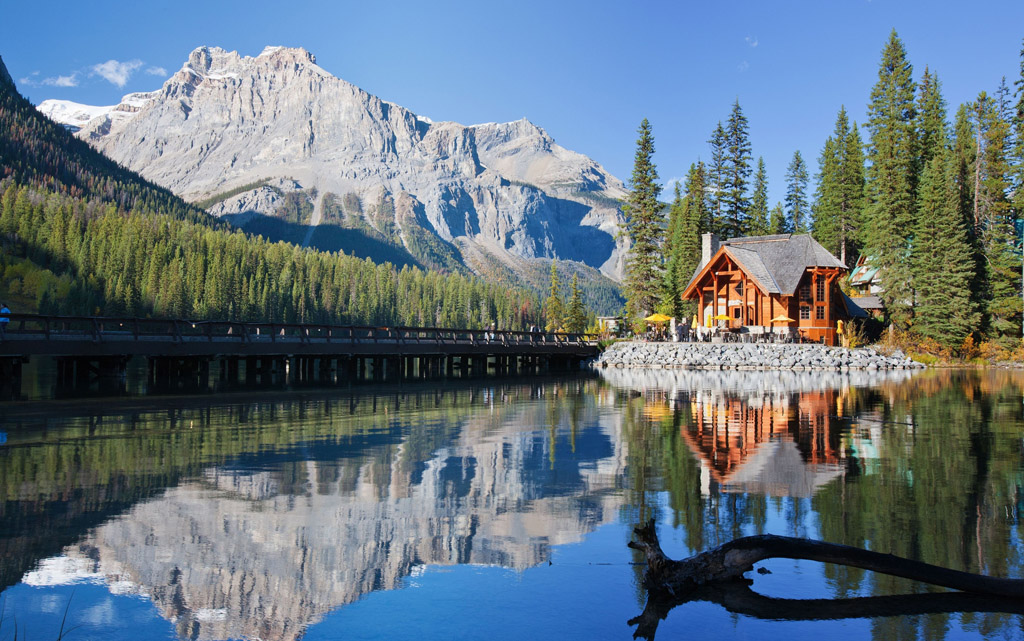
(587, 72)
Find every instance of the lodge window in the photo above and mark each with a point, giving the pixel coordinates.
(736, 313)
(805, 312)
(819, 312)
(739, 288)
(805, 294)
(821, 290)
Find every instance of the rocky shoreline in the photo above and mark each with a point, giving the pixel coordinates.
(748, 356)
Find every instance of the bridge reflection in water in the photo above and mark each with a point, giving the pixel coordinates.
(242, 516)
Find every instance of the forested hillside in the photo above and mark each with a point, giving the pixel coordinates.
(82, 235)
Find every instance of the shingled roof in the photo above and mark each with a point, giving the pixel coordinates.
(777, 262)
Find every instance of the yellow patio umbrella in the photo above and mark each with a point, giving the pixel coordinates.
(658, 318)
(722, 317)
(782, 318)
(695, 323)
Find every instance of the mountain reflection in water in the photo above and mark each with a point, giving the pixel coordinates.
(258, 517)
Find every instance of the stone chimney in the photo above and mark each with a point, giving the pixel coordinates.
(709, 244)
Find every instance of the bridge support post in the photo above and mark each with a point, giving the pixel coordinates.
(10, 377)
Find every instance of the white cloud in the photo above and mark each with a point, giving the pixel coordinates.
(156, 71)
(61, 81)
(668, 191)
(751, 40)
(116, 72)
(743, 66)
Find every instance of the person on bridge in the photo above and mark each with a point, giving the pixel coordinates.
(5, 318)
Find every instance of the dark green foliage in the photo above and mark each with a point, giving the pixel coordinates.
(839, 198)
(1018, 138)
(778, 224)
(737, 174)
(103, 261)
(688, 213)
(717, 181)
(931, 116)
(206, 203)
(757, 223)
(80, 235)
(554, 308)
(796, 193)
(645, 228)
(994, 218)
(35, 151)
(892, 179)
(576, 312)
(942, 258)
(296, 206)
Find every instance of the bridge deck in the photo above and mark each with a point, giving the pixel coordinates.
(73, 336)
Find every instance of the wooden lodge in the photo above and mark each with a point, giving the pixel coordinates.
(753, 280)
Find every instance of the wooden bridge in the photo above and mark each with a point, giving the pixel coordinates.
(181, 353)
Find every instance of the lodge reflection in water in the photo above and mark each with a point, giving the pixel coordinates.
(257, 518)
(777, 433)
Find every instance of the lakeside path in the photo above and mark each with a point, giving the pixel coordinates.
(748, 356)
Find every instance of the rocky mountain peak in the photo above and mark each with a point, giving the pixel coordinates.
(500, 192)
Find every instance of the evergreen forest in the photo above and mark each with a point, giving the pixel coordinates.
(81, 235)
(931, 200)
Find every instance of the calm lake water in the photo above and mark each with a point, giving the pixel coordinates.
(501, 509)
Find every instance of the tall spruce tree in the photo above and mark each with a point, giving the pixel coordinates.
(931, 118)
(554, 308)
(576, 312)
(1018, 129)
(839, 198)
(670, 286)
(757, 223)
(993, 218)
(891, 179)
(941, 256)
(796, 193)
(737, 173)
(685, 254)
(645, 227)
(717, 181)
(777, 223)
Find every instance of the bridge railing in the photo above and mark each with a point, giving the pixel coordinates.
(101, 328)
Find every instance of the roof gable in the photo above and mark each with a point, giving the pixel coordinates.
(777, 263)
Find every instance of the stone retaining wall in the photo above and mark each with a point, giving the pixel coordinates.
(747, 356)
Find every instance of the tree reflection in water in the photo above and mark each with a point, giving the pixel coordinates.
(927, 468)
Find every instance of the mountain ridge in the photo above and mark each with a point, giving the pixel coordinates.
(224, 121)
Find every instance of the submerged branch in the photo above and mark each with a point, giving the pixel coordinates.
(717, 576)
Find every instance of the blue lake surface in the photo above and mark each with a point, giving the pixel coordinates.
(501, 508)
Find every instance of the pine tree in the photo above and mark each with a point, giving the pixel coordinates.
(851, 204)
(737, 173)
(576, 314)
(553, 306)
(825, 211)
(993, 218)
(778, 224)
(796, 193)
(685, 254)
(931, 118)
(644, 226)
(670, 283)
(757, 224)
(1018, 147)
(891, 183)
(717, 181)
(942, 258)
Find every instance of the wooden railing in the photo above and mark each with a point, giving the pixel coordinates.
(102, 329)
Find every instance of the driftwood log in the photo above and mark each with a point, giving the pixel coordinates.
(717, 576)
